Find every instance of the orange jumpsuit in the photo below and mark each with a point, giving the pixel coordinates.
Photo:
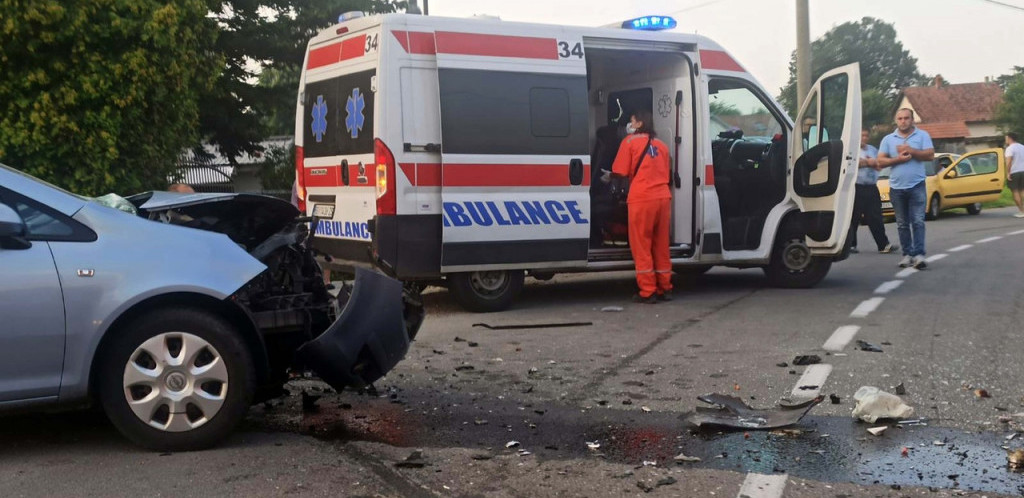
(649, 204)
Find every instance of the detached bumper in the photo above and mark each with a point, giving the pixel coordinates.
(371, 335)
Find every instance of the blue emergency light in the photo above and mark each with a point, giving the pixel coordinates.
(650, 23)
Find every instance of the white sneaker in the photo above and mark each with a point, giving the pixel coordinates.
(919, 262)
(1018, 215)
(906, 261)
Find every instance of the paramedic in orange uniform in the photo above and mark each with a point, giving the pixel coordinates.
(649, 212)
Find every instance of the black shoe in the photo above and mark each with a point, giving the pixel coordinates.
(665, 296)
(652, 299)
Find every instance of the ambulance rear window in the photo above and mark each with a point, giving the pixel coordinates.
(338, 116)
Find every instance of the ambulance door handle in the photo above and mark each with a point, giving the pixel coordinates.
(344, 171)
(576, 172)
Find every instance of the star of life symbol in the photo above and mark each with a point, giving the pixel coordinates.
(354, 113)
(319, 124)
(665, 106)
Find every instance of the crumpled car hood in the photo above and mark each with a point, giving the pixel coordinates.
(248, 219)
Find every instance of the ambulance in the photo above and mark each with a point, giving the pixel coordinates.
(465, 152)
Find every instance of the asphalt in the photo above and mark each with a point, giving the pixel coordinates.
(625, 383)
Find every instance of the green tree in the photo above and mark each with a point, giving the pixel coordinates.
(102, 95)
(1010, 114)
(885, 66)
(263, 43)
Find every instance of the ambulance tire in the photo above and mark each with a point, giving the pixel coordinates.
(486, 291)
(791, 265)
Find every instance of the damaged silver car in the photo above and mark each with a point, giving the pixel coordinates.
(178, 314)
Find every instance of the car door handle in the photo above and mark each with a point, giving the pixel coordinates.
(994, 180)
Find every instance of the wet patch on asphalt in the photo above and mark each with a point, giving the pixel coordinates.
(826, 449)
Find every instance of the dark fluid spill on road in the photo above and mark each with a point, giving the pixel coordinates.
(826, 449)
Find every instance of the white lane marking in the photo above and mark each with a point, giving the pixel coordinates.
(906, 272)
(814, 378)
(866, 307)
(763, 486)
(841, 337)
(961, 248)
(1018, 232)
(888, 287)
(935, 257)
(989, 239)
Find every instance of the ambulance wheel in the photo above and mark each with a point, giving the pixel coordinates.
(486, 291)
(791, 265)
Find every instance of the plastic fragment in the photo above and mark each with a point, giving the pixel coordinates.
(874, 404)
(611, 309)
(683, 458)
(877, 431)
(512, 444)
(593, 445)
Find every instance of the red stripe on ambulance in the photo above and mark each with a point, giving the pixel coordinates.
(719, 60)
(524, 47)
(336, 52)
(490, 175)
(416, 42)
(322, 176)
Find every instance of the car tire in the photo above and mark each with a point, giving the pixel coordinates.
(486, 291)
(188, 359)
(974, 209)
(934, 207)
(791, 265)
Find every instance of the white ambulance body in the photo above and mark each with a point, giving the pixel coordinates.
(459, 151)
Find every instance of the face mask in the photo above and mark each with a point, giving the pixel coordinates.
(630, 129)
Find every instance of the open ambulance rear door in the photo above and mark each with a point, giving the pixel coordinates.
(514, 146)
(823, 158)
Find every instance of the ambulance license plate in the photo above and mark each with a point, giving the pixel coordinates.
(885, 205)
(325, 211)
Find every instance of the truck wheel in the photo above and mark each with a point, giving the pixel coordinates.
(791, 265)
(486, 291)
(974, 208)
(176, 379)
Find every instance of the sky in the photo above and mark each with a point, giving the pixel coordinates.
(963, 40)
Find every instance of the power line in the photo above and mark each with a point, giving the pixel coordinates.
(695, 7)
(1004, 4)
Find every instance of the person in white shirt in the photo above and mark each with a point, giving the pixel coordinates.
(1015, 170)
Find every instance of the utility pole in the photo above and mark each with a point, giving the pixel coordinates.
(803, 52)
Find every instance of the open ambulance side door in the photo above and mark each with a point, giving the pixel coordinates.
(824, 152)
(514, 149)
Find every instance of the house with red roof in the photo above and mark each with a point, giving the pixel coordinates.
(960, 118)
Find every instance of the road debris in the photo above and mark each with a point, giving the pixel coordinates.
(806, 359)
(730, 411)
(683, 458)
(981, 393)
(645, 409)
(834, 398)
(464, 368)
(874, 404)
(877, 431)
(782, 364)
(593, 445)
(647, 488)
(867, 346)
(512, 444)
(650, 463)
(459, 339)
(1015, 459)
(521, 326)
(665, 481)
(612, 309)
(900, 389)
(413, 461)
(905, 452)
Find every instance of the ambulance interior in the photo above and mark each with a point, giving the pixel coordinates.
(623, 81)
(748, 147)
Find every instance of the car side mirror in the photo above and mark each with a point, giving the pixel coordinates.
(951, 174)
(12, 229)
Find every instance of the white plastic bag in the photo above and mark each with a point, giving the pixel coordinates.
(873, 404)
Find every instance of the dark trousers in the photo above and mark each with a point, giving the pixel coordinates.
(867, 204)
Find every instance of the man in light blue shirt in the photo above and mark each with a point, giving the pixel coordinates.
(906, 150)
(867, 204)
